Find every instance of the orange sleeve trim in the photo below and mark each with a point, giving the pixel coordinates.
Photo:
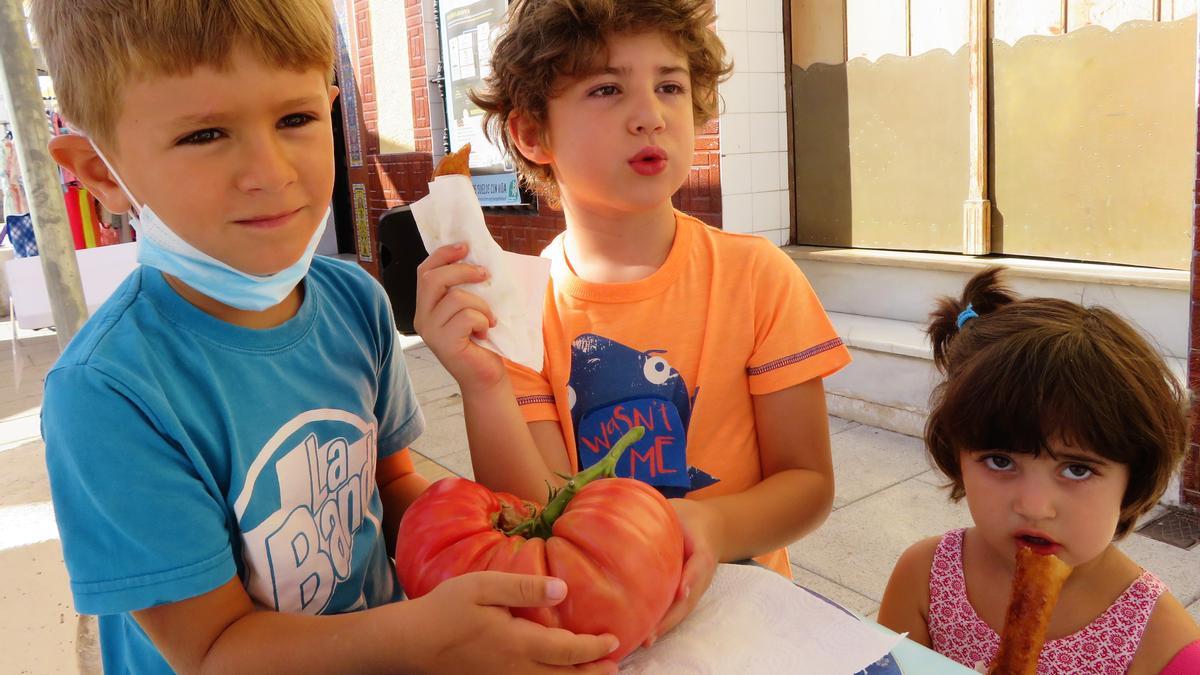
(535, 399)
(795, 358)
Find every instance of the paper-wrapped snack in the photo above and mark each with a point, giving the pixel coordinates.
(516, 288)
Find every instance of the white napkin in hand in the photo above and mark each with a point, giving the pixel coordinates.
(752, 621)
(516, 288)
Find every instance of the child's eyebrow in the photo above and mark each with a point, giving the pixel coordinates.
(203, 119)
(216, 118)
(662, 70)
(1077, 457)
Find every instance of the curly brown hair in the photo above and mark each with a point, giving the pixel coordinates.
(1030, 369)
(545, 40)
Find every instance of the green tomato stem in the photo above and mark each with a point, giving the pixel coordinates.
(542, 524)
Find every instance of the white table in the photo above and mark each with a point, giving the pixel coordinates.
(101, 269)
(753, 621)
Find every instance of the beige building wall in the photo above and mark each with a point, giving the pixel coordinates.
(1093, 154)
(880, 137)
(393, 76)
(1089, 148)
(881, 152)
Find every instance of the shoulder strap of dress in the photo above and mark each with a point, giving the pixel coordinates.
(946, 568)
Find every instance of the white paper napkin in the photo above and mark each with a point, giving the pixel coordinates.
(516, 290)
(753, 621)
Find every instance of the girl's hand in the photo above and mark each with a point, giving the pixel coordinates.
(448, 317)
(701, 550)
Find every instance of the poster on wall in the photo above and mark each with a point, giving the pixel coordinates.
(468, 29)
(362, 223)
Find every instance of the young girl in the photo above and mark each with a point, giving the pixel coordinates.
(1060, 425)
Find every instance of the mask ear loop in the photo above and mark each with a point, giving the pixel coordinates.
(134, 205)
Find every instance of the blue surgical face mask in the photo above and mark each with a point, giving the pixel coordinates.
(161, 248)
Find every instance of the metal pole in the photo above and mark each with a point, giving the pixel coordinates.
(32, 134)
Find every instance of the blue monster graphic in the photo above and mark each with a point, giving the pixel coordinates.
(614, 388)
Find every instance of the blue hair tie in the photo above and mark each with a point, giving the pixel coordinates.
(966, 315)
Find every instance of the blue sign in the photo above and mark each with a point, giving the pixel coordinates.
(498, 189)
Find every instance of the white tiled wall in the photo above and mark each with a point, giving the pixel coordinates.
(753, 120)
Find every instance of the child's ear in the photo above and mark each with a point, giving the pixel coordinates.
(75, 154)
(527, 136)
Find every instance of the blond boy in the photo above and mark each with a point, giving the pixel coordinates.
(226, 436)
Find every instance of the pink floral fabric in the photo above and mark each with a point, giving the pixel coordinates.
(1105, 646)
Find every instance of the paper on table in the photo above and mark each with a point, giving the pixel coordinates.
(516, 290)
(753, 621)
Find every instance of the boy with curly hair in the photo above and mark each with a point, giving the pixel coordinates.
(713, 341)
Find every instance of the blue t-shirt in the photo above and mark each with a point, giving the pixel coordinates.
(183, 450)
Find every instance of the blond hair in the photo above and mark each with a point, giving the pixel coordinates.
(548, 39)
(95, 48)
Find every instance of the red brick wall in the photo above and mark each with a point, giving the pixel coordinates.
(401, 179)
(395, 179)
(1191, 467)
(701, 194)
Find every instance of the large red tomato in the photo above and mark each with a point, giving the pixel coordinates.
(615, 542)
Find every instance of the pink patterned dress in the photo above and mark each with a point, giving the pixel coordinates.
(1104, 646)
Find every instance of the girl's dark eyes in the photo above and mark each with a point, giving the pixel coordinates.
(1077, 471)
(997, 462)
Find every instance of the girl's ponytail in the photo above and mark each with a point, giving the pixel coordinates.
(983, 294)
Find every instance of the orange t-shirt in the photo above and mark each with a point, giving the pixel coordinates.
(682, 352)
